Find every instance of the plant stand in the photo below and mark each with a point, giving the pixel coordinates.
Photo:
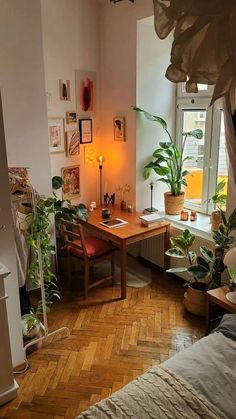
(8, 386)
(44, 325)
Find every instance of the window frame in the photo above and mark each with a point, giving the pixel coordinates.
(199, 102)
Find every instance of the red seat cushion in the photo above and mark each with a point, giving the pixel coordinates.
(95, 247)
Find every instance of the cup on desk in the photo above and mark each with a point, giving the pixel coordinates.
(106, 213)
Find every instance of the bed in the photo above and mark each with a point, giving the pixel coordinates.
(199, 382)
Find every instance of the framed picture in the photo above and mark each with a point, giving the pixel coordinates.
(85, 92)
(71, 178)
(64, 90)
(71, 117)
(72, 143)
(119, 128)
(85, 127)
(56, 135)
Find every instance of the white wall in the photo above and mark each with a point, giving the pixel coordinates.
(23, 89)
(157, 95)
(70, 42)
(118, 89)
(25, 119)
(7, 256)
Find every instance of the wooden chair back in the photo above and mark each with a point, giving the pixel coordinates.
(74, 232)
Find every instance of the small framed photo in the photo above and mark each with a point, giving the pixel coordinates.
(64, 90)
(119, 128)
(72, 143)
(71, 182)
(71, 117)
(85, 127)
(56, 135)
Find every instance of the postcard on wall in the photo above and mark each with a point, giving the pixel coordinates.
(56, 135)
(64, 90)
(72, 143)
(71, 179)
(71, 117)
(119, 128)
(90, 156)
(85, 92)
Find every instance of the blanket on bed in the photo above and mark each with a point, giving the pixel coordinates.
(159, 393)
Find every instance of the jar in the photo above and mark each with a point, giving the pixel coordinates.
(184, 215)
(130, 209)
(106, 213)
(193, 216)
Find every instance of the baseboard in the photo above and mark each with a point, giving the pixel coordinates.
(9, 394)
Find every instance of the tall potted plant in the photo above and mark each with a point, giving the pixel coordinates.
(205, 269)
(168, 162)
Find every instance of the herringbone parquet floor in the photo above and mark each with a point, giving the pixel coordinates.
(111, 342)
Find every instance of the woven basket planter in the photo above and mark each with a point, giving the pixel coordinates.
(195, 298)
(173, 204)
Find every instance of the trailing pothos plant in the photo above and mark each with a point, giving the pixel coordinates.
(208, 266)
(168, 160)
(39, 240)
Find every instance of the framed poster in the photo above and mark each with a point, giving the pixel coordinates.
(56, 135)
(85, 127)
(71, 179)
(72, 143)
(119, 128)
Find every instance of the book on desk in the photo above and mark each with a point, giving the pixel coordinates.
(150, 220)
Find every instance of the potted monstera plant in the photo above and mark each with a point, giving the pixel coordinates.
(205, 267)
(168, 163)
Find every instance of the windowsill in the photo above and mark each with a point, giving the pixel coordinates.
(201, 227)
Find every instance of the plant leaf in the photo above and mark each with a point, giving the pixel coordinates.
(196, 133)
(175, 252)
(207, 254)
(151, 117)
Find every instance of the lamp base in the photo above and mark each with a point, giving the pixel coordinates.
(231, 296)
(150, 210)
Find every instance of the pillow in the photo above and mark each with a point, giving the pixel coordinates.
(227, 326)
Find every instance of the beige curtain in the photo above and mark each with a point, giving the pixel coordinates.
(203, 50)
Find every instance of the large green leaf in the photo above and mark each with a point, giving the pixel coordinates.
(196, 133)
(207, 254)
(82, 212)
(165, 145)
(192, 257)
(198, 271)
(151, 117)
(147, 172)
(202, 262)
(220, 186)
(175, 252)
(57, 182)
(161, 171)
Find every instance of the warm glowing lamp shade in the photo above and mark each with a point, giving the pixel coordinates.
(230, 262)
(100, 159)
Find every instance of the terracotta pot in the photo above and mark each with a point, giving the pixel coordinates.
(173, 204)
(215, 220)
(195, 298)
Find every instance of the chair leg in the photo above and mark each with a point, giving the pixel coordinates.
(112, 268)
(86, 279)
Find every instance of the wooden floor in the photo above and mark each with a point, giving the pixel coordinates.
(111, 342)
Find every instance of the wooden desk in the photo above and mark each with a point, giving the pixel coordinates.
(133, 232)
(217, 297)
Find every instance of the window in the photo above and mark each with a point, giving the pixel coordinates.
(208, 165)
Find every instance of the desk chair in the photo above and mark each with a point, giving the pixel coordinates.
(90, 250)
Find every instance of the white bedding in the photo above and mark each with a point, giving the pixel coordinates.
(210, 367)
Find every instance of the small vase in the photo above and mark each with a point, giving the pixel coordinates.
(123, 205)
(215, 220)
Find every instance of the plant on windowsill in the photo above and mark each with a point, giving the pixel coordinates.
(168, 162)
(205, 269)
(219, 200)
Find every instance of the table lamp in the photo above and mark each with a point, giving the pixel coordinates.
(100, 160)
(151, 209)
(230, 262)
